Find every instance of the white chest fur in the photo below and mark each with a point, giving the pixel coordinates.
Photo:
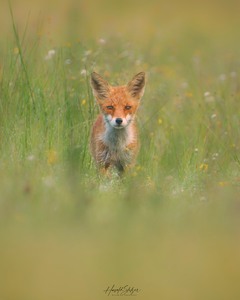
(116, 141)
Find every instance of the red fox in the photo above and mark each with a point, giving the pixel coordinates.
(114, 138)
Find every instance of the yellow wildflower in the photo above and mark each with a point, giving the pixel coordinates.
(203, 167)
(189, 95)
(16, 50)
(52, 157)
(83, 102)
(160, 121)
(223, 183)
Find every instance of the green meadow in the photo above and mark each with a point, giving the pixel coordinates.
(170, 227)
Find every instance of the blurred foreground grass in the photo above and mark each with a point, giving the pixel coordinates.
(171, 226)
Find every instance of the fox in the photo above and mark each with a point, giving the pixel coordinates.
(114, 142)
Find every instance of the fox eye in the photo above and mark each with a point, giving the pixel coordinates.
(109, 107)
(128, 107)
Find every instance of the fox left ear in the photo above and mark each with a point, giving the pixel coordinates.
(100, 86)
(136, 85)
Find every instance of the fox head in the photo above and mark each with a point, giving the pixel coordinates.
(118, 103)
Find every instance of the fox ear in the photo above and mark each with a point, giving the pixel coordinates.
(136, 85)
(100, 86)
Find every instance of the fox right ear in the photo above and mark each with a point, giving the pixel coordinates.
(100, 86)
(136, 85)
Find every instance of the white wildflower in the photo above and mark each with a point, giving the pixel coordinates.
(233, 74)
(84, 72)
(88, 52)
(48, 181)
(184, 85)
(222, 77)
(31, 157)
(213, 116)
(208, 97)
(215, 156)
(102, 41)
(50, 54)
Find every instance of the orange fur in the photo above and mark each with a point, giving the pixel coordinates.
(114, 139)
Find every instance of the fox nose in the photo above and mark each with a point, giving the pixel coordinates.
(119, 121)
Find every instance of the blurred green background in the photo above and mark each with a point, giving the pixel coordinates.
(170, 227)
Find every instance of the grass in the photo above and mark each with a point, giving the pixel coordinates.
(170, 227)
